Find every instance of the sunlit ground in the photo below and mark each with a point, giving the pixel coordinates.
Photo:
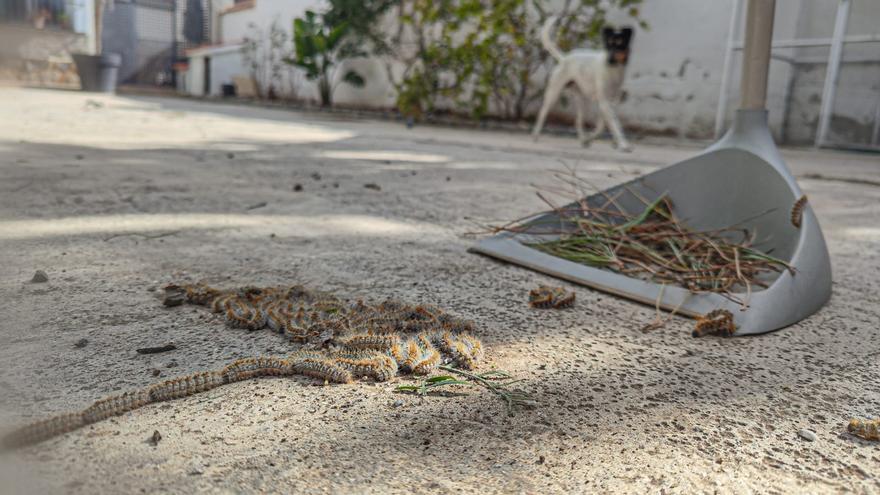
(114, 197)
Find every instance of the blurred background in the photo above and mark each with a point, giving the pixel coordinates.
(419, 57)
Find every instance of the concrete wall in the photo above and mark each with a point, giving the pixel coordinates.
(39, 57)
(857, 101)
(674, 78)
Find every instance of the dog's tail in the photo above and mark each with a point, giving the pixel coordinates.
(548, 43)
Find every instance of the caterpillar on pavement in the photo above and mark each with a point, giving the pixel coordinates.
(719, 321)
(545, 297)
(869, 429)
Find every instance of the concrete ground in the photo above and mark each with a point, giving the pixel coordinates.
(116, 196)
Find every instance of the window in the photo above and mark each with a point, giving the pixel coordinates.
(40, 13)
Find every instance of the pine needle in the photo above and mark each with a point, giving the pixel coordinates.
(497, 381)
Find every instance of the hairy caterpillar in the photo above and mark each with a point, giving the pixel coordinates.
(551, 297)
(417, 355)
(368, 340)
(176, 388)
(325, 369)
(373, 364)
(869, 429)
(797, 211)
(719, 321)
(464, 349)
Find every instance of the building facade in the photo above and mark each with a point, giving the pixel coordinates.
(675, 78)
(37, 38)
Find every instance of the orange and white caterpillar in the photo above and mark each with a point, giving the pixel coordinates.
(797, 211)
(869, 429)
(417, 356)
(373, 364)
(325, 369)
(367, 337)
(370, 341)
(719, 321)
(551, 297)
(464, 349)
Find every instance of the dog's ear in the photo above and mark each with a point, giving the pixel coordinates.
(627, 34)
(607, 34)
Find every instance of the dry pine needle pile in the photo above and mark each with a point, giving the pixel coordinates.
(654, 245)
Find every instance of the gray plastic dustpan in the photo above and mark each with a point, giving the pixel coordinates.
(740, 180)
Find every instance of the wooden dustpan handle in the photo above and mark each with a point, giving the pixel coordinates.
(756, 55)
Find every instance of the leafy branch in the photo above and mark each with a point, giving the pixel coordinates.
(496, 381)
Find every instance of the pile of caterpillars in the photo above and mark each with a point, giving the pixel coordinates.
(347, 341)
(545, 297)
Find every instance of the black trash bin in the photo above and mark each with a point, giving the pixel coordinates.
(98, 72)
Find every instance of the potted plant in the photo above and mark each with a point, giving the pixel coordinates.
(98, 72)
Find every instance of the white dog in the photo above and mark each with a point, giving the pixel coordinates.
(598, 74)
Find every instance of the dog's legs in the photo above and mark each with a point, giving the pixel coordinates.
(596, 87)
(579, 118)
(611, 119)
(600, 128)
(551, 94)
(586, 139)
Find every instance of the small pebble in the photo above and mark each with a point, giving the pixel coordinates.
(316, 176)
(155, 438)
(39, 277)
(155, 372)
(397, 403)
(297, 187)
(81, 343)
(373, 186)
(230, 155)
(807, 435)
(174, 296)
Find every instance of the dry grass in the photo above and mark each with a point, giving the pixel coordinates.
(651, 244)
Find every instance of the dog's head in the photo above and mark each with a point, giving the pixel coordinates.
(616, 43)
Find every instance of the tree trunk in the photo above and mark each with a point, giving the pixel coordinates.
(326, 91)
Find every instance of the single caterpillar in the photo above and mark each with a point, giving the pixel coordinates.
(719, 322)
(869, 429)
(367, 340)
(464, 349)
(797, 211)
(545, 297)
(371, 341)
(176, 388)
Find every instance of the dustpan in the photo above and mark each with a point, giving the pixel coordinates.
(740, 180)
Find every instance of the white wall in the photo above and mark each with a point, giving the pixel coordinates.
(224, 67)
(226, 63)
(234, 25)
(674, 77)
(195, 77)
